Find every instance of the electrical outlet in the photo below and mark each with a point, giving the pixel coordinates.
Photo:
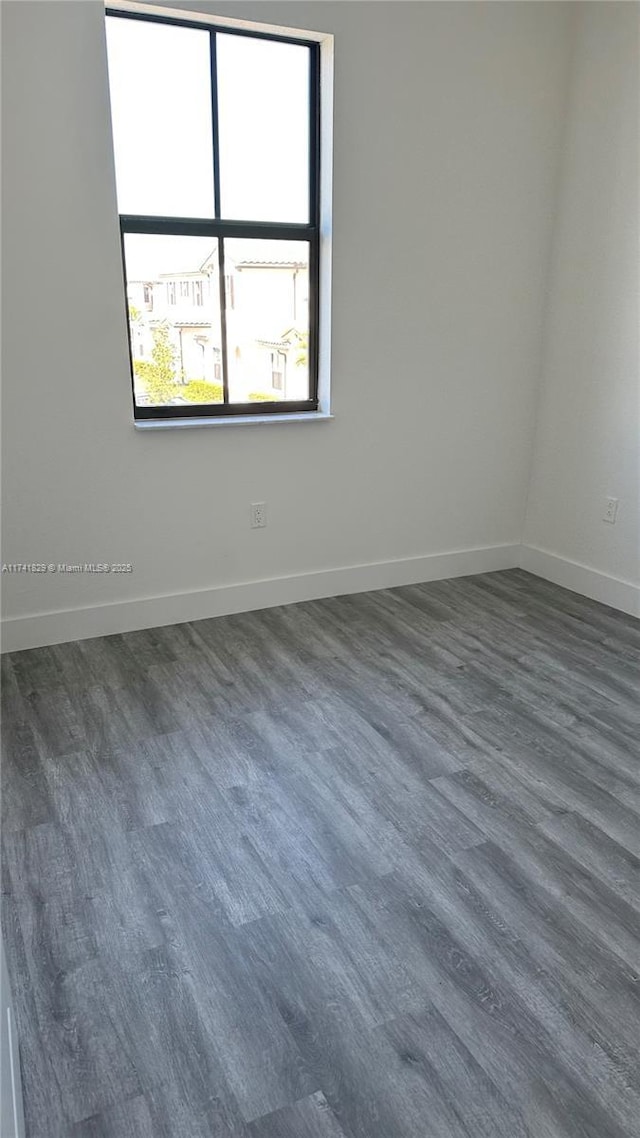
(610, 511)
(258, 515)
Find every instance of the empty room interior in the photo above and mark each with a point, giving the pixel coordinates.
(320, 569)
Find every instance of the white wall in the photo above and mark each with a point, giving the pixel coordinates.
(587, 446)
(447, 135)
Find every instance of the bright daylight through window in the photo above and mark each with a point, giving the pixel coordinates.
(216, 152)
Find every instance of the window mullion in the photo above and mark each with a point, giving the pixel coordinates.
(214, 123)
(314, 136)
(223, 321)
(314, 313)
(215, 227)
(217, 210)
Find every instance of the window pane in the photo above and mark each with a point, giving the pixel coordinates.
(173, 299)
(263, 105)
(160, 82)
(267, 291)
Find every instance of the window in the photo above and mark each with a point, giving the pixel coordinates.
(278, 363)
(194, 206)
(229, 285)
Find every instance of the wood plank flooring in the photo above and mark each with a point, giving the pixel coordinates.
(366, 867)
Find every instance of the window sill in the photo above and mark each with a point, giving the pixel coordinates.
(232, 421)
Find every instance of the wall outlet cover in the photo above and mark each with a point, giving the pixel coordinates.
(258, 515)
(610, 511)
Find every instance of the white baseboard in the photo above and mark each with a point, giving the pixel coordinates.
(39, 629)
(613, 591)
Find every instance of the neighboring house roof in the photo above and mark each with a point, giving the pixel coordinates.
(192, 324)
(207, 264)
(178, 323)
(285, 340)
(209, 260)
(181, 274)
(271, 264)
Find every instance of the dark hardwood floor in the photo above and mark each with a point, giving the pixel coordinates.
(366, 867)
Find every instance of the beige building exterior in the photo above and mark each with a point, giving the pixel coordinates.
(267, 306)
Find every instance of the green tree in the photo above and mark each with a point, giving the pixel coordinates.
(163, 354)
(301, 341)
(302, 357)
(158, 374)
